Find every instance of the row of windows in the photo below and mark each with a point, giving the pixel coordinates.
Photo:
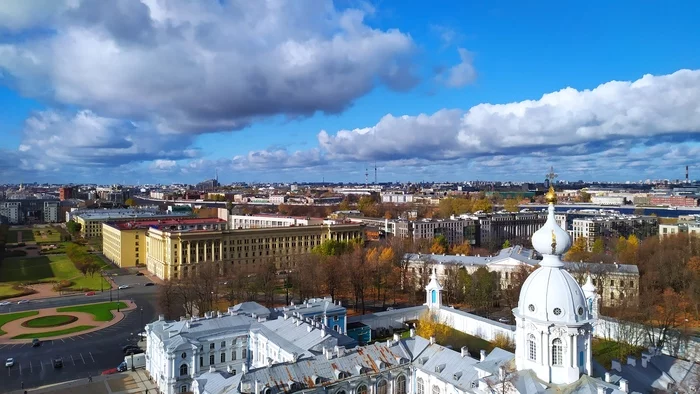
(557, 350)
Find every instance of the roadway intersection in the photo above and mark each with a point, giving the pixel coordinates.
(83, 355)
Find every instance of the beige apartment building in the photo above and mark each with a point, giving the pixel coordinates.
(175, 253)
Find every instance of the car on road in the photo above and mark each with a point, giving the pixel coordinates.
(5, 303)
(133, 351)
(129, 347)
(504, 320)
(90, 293)
(9, 362)
(150, 284)
(36, 342)
(22, 301)
(122, 367)
(139, 274)
(58, 362)
(122, 287)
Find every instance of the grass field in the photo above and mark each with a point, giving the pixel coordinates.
(8, 291)
(8, 317)
(46, 235)
(101, 311)
(50, 321)
(53, 333)
(47, 269)
(605, 351)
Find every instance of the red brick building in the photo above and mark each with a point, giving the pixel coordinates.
(674, 201)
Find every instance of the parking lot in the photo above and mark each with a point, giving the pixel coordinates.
(124, 277)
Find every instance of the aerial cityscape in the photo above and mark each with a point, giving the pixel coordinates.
(349, 197)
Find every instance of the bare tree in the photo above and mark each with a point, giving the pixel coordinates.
(168, 300)
(358, 274)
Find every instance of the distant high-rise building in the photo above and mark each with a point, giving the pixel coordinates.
(65, 193)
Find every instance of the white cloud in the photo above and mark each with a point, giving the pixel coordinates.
(25, 14)
(651, 109)
(163, 165)
(463, 73)
(56, 140)
(205, 65)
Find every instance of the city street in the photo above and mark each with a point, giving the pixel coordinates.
(84, 354)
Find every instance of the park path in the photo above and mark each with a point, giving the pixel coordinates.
(15, 327)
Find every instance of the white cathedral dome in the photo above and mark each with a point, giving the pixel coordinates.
(551, 294)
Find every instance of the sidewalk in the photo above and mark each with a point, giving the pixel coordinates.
(119, 383)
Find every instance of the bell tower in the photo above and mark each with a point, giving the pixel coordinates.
(433, 293)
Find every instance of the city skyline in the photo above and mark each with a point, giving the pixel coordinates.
(321, 90)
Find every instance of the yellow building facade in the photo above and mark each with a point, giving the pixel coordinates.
(125, 247)
(175, 254)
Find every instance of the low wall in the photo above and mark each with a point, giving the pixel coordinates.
(675, 345)
(475, 325)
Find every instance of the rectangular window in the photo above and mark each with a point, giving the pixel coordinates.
(211, 346)
(244, 354)
(223, 357)
(223, 344)
(211, 359)
(201, 361)
(233, 355)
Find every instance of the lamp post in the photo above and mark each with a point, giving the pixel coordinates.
(117, 299)
(141, 310)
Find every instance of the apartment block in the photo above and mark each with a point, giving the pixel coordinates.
(175, 253)
(10, 210)
(594, 228)
(495, 229)
(666, 230)
(51, 211)
(66, 193)
(456, 231)
(674, 201)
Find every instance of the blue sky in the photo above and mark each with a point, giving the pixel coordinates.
(311, 90)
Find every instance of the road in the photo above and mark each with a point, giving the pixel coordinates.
(84, 354)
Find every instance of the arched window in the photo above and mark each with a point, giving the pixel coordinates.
(381, 387)
(421, 387)
(557, 352)
(340, 392)
(362, 389)
(400, 385)
(436, 389)
(183, 369)
(183, 389)
(531, 348)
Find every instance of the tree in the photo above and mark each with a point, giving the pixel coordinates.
(506, 244)
(463, 249)
(483, 290)
(598, 246)
(129, 202)
(439, 245)
(429, 325)
(344, 205)
(482, 204)
(584, 197)
(511, 292)
(73, 227)
(168, 302)
(511, 205)
(578, 251)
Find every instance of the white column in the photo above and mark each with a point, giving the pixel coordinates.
(196, 252)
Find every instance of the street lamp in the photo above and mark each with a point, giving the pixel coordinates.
(141, 310)
(117, 299)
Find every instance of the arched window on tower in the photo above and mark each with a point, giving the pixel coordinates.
(557, 352)
(531, 348)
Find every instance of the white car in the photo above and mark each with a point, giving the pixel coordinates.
(5, 303)
(10, 362)
(22, 301)
(122, 287)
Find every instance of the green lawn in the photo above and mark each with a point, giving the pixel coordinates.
(11, 237)
(50, 321)
(48, 269)
(8, 291)
(604, 351)
(101, 311)
(53, 333)
(8, 317)
(27, 235)
(46, 235)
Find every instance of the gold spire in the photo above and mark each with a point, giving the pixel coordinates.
(551, 196)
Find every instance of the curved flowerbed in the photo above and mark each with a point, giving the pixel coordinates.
(50, 321)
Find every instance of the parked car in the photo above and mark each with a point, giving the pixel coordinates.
(36, 342)
(121, 367)
(129, 347)
(90, 293)
(139, 274)
(150, 284)
(58, 362)
(10, 362)
(504, 320)
(122, 287)
(5, 303)
(22, 301)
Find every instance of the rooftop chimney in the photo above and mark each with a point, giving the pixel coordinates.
(465, 351)
(624, 387)
(212, 368)
(482, 355)
(397, 337)
(601, 389)
(412, 333)
(432, 340)
(608, 377)
(161, 317)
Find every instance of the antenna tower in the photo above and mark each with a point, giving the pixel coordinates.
(375, 172)
(366, 176)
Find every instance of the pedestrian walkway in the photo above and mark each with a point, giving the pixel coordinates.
(121, 383)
